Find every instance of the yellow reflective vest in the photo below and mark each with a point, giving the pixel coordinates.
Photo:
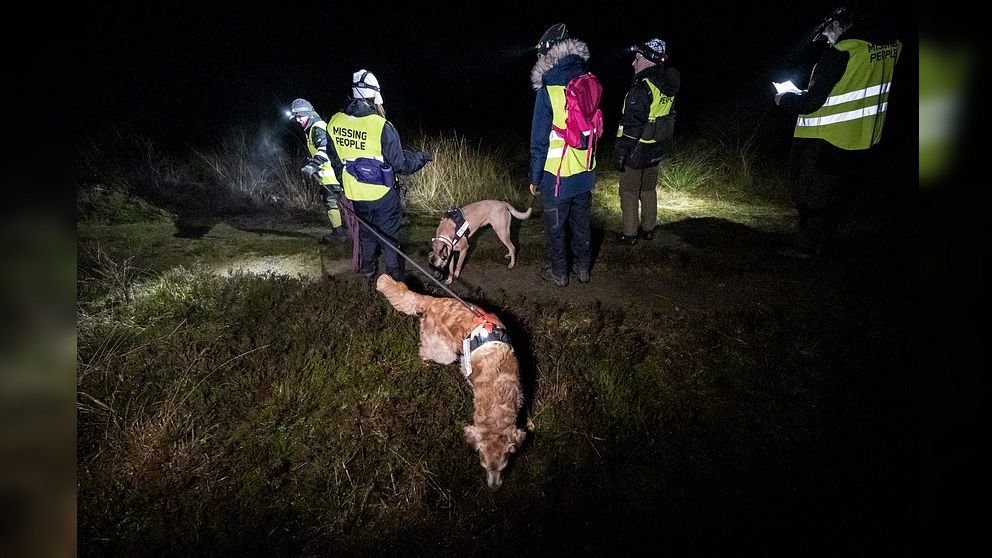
(574, 160)
(854, 113)
(355, 137)
(661, 105)
(326, 173)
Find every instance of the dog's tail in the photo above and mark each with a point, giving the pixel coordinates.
(402, 298)
(519, 214)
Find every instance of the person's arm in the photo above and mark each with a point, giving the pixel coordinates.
(325, 152)
(319, 138)
(403, 162)
(636, 108)
(826, 74)
(540, 135)
(320, 141)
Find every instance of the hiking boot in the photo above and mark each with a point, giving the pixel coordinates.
(628, 240)
(549, 275)
(648, 235)
(793, 252)
(581, 273)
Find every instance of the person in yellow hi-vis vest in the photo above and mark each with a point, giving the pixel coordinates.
(840, 117)
(319, 167)
(644, 137)
(564, 178)
(367, 157)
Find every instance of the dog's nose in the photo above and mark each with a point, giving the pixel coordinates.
(494, 480)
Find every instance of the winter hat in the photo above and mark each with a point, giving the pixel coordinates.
(364, 85)
(653, 50)
(555, 34)
(301, 107)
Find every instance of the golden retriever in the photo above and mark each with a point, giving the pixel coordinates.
(493, 371)
(476, 215)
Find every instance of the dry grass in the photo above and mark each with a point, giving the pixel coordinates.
(460, 174)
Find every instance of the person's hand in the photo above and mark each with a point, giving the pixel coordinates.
(778, 98)
(618, 163)
(309, 170)
(426, 156)
(533, 190)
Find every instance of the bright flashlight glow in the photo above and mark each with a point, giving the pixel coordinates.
(292, 265)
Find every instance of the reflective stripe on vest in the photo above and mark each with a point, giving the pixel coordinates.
(326, 173)
(575, 159)
(854, 114)
(355, 137)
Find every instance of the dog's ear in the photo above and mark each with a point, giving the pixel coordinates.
(472, 435)
(517, 437)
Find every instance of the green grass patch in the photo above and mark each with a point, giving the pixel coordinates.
(215, 405)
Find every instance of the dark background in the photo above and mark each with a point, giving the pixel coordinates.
(186, 76)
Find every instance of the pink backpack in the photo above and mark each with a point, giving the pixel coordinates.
(582, 118)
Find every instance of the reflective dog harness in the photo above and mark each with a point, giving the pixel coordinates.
(485, 331)
(461, 230)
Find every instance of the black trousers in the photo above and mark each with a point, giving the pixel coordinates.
(824, 179)
(386, 215)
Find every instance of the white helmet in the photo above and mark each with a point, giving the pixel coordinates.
(364, 85)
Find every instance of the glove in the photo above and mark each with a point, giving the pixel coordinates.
(426, 157)
(618, 162)
(309, 170)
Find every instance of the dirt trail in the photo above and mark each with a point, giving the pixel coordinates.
(696, 264)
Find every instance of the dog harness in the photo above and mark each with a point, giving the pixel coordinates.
(461, 230)
(483, 332)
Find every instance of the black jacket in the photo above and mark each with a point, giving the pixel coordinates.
(637, 105)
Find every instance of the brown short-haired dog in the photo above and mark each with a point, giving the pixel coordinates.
(476, 215)
(492, 370)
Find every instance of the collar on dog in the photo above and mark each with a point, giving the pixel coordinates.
(461, 230)
(485, 331)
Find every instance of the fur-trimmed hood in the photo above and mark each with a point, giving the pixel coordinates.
(556, 54)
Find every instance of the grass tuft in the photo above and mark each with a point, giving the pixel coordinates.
(461, 173)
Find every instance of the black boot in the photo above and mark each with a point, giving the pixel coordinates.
(581, 273)
(548, 275)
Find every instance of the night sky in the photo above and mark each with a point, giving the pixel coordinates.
(185, 77)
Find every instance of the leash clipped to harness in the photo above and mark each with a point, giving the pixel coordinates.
(484, 331)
